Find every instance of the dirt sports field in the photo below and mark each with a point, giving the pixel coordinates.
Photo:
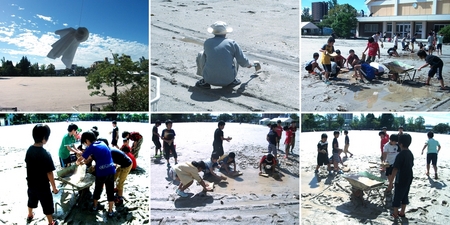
(246, 199)
(348, 94)
(49, 94)
(266, 30)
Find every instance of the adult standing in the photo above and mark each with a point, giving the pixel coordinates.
(219, 62)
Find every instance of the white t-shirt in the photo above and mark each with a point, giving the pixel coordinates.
(391, 151)
(377, 66)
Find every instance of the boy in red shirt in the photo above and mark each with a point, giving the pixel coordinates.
(352, 59)
(373, 50)
(279, 131)
(288, 141)
(339, 59)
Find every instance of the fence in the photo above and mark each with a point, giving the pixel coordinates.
(156, 88)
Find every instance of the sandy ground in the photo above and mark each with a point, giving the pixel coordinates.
(37, 94)
(322, 196)
(347, 94)
(267, 31)
(13, 203)
(247, 199)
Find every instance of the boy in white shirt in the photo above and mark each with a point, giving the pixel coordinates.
(390, 151)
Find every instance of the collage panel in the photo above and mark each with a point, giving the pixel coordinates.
(371, 167)
(380, 56)
(73, 156)
(74, 56)
(211, 168)
(233, 56)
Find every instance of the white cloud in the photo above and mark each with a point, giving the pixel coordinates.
(46, 18)
(21, 8)
(65, 24)
(13, 15)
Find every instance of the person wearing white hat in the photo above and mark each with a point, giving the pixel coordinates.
(219, 62)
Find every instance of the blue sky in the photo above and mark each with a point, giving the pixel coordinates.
(357, 4)
(27, 29)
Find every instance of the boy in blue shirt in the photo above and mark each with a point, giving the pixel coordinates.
(433, 149)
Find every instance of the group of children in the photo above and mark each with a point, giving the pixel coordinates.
(395, 154)
(323, 156)
(111, 165)
(218, 159)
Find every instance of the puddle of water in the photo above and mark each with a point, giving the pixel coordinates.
(191, 40)
(369, 95)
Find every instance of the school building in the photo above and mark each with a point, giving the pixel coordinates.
(413, 17)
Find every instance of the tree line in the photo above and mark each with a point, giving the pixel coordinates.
(316, 122)
(25, 68)
(30, 118)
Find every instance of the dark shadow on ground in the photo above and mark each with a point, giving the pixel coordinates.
(437, 184)
(138, 171)
(192, 201)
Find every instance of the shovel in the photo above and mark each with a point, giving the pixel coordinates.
(257, 65)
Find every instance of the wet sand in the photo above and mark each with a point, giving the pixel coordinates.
(348, 94)
(267, 32)
(48, 94)
(328, 197)
(241, 200)
(13, 174)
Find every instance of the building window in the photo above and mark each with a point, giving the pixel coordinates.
(371, 28)
(418, 30)
(438, 27)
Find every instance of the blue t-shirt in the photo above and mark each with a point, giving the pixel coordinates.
(368, 70)
(104, 165)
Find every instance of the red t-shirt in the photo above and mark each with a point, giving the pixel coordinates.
(279, 131)
(135, 136)
(274, 161)
(133, 159)
(289, 135)
(373, 48)
(383, 142)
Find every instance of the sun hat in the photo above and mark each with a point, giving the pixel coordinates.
(220, 28)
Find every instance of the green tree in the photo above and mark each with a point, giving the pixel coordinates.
(446, 32)
(410, 124)
(43, 70)
(342, 19)
(9, 69)
(306, 16)
(419, 123)
(24, 66)
(51, 71)
(308, 122)
(332, 4)
(34, 69)
(64, 117)
(121, 73)
(370, 121)
(225, 117)
(355, 123)
(387, 120)
(441, 128)
(340, 120)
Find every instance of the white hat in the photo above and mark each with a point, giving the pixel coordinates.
(220, 28)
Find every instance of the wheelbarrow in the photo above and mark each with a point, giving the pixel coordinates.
(365, 183)
(74, 189)
(402, 70)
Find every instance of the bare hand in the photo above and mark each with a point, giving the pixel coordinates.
(419, 69)
(55, 191)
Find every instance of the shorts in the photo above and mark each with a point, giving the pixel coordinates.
(167, 150)
(308, 67)
(272, 149)
(432, 157)
(400, 195)
(218, 149)
(371, 59)
(322, 159)
(108, 181)
(327, 68)
(335, 158)
(157, 144)
(439, 46)
(114, 142)
(436, 70)
(44, 197)
(346, 148)
(389, 170)
(72, 158)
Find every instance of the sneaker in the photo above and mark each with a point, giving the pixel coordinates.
(435, 176)
(327, 82)
(202, 84)
(181, 193)
(30, 218)
(235, 82)
(168, 165)
(99, 207)
(320, 75)
(111, 214)
(176, 163)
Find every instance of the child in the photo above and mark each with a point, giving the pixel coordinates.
(390, 151)
(272, 138)
(339, 59)
(336, 153)
(218, 139)
(335, 69)
(326, 50)
(127, 150)
(115, 134)
(212, 164)
(125, 164)
(137, 139)
(347, 144)
(67, 146)
(104, 169)
(413, 41)
(439, 41)
(312, 65)
(403, 164)
(268, 164)
(322, 153)
(385, 132)
(430, 41)
(294, 129)
(352, 59)
(40, 169)
(396, 41)
(383, 141)
(279, 131)
(436, 65)
(288, 140)
(432, 153)
(393, 52)
(363, 69)
(373, 50)
(168, 136)
(227, 161)
(156, 137)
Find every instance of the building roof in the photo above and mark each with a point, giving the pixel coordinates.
(308, 25)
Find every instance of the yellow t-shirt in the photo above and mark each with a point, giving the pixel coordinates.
(326, 58)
